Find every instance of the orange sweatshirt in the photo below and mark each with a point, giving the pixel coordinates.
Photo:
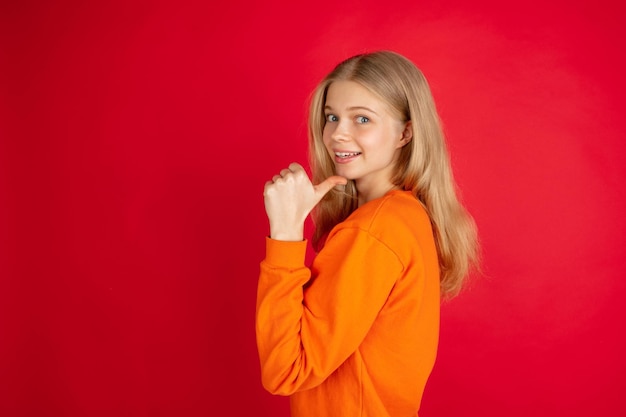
(356, 334)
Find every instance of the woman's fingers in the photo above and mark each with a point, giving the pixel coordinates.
(328, 184)
(295, 167)
(290, 197)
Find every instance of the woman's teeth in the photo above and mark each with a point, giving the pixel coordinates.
(346, 154)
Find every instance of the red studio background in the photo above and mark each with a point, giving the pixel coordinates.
(135, 140)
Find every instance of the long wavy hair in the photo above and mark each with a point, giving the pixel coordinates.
(423, 165)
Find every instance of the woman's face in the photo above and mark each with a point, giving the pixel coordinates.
(363, 137)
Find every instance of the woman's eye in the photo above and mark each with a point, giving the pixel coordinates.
(362, 119)
(331, 118)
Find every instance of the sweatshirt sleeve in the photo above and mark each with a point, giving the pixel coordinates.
(304, 336)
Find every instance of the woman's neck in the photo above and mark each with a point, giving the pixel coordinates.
(367, 194)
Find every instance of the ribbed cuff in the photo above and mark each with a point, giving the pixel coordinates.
(285, 254)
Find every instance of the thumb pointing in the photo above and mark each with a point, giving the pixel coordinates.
(328, 184)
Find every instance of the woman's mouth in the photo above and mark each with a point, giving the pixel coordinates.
(346, 154)
(343, 157)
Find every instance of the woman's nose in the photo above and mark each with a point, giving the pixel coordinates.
(341, 133)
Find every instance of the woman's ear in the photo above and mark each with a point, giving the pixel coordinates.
(407, 134)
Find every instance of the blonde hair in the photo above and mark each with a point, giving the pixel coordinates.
(423, 165)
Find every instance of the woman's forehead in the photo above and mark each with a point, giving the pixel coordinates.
(348, 94)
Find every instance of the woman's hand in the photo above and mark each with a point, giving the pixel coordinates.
(290, 197)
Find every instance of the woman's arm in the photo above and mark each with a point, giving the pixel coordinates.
(302, 339)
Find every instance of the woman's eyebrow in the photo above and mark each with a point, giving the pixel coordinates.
(362, 108)
(327, 107)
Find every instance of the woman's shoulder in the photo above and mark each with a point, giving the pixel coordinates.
(397, 208)
(397, 218)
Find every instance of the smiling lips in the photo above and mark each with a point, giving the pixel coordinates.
(344, 157)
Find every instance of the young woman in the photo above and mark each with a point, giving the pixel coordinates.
(356, 333)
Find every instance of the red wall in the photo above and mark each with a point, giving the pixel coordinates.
(135, 140)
